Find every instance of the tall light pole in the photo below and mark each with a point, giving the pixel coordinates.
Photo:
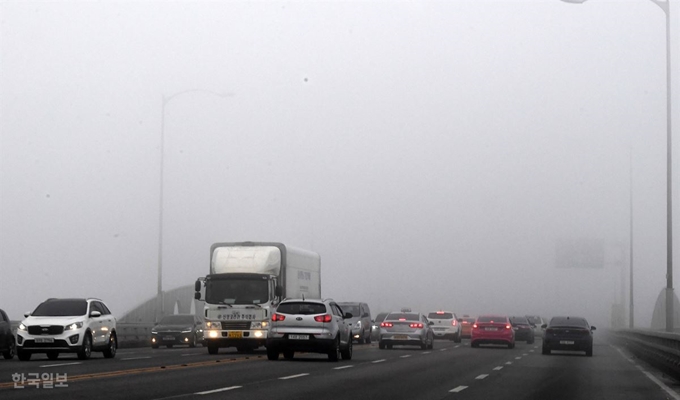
(631, 306)
(160, 306)
(665, 6)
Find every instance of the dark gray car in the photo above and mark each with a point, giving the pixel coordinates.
(177, 329)
(7, 347)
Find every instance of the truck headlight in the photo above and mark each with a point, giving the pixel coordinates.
(74, 326)
(259, 325)
(213, 325)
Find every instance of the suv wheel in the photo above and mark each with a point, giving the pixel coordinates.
(193, 341)
(456, 339)
(334, 352)
(347, 352)
(272, 353)
(9, 353)
(24, 355)
(86, 349)
(212, 349)
(368, 337)
(381, 345)
(111, 349)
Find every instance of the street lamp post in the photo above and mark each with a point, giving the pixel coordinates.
(665, 6)
(160, 306)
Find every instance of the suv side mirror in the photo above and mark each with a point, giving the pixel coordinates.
(197, 295)
(347, 315)
(592, 328)
(197, 285)
(27, 314)
(95, 314)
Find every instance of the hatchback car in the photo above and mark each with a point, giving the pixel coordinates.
(67, 326)
(406, 329)
(178, 329)
(7, 347)
(466, 326)
(492, 329)
(317, 326)
(375, 325)
(360, 321)
(568, 333)
(523, 330)
(446, 325)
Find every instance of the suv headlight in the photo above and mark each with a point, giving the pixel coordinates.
(22, 327)
(213, 325)
(358, 324)
(259, 325)
(73, 326)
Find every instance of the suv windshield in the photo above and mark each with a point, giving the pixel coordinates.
(301, 308)
(237, 291)
(440, 315)
(61, 308)
(177, 319)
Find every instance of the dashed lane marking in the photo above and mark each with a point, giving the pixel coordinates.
(457, 347)
(482, 376)
(292, 376)
(378, 361)
(508, 363)
(518, 358)
(427, 352)
(344, 366)
(458, 389)
(59, 365)
(525, 354)
(405, 356)
(498, 368)
(531, 351)
(443, 349)
(219, 390)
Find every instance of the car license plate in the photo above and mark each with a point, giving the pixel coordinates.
(168, 338)
(234, 335)
(490, 329)
(44, 340)
(401, 337)
(298, 337)
(566, 342)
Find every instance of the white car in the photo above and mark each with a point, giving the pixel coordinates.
(446, 325)
(67, 326)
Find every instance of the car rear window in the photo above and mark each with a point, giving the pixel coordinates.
(301, 308)
(405, 316)
(519, 320)
(469, 320)
(380, 317)
(351, 308)
(440, 315)
(492, 319)
(569, 321)
(534, 320)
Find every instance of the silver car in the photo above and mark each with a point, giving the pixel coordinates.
(360, 321)
(316, 326)
(407, 329)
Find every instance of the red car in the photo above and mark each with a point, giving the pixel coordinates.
(492, 329)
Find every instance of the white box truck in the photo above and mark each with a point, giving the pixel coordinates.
(247, 281)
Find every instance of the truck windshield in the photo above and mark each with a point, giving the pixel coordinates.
(237, 291)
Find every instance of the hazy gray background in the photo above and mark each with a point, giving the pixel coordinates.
(433, 153)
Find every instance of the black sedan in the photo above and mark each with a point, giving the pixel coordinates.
(524, 331)
(7, 346)
(568, 333)
(177, 329)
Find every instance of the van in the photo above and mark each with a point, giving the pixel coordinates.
(360, 321)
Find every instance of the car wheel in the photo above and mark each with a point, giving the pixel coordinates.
(431, 344)
(424, 345)
(545, 350)
(381, 345)
(112, 348)
(362, 338)
(288, 354)
(86, 349)
(272, 353)
(589, 351)
(368, 337)
(192, 343)
(23, 355)
(511, 345)
(52, 355)
(9, 353)
(474, 344)
(457, 338)
(334, 352)
(347, 352)
(214, 349)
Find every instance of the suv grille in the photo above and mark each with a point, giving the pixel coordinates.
(236, 325)
(46, 330)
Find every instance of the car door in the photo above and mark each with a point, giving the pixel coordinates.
(97, 324)
(344, 330)
(108, 322)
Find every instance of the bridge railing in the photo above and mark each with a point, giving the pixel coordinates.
(660, 349)
(129, 334)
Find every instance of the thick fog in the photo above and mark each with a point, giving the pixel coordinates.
(437, 155)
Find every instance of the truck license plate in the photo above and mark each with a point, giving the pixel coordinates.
(44, 340)
(234, 334)
(298, 337)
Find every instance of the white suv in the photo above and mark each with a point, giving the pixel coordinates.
(317, 326)
(67, 326)
(446, 325)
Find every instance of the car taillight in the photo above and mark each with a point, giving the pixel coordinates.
(475, 326)
(323, 318)
(454, 323)
(416, 325)
(278, 317)
(508, 326)
(386, 325)
(465, 322)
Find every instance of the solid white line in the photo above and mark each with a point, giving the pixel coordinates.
(219, 390)
(292, 376)
(378, 361)
(458, 389)
(498, 368)
(651, 377)
(59, 365)
(135, 358)
(405, 356)
(508, 363)
(344, 366)
(482, 376)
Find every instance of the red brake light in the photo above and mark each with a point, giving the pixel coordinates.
(475, 326)
(440, 312)
(508, 326)
(416, 325)
(278, 317)
(323, 318)
(465, 322)
(386, 325)
(402, 319)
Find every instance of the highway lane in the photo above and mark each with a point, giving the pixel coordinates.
(450, 371)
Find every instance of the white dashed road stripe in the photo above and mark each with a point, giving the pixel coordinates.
(508, 363)
(219, 390)
(518, 358)
(458, 389)
(482, 376)
(344, 366)
(378, 361)
(443, 349)
(426, 352)
(525, 354)
(293, 376)
(405, 356)
(498, 368)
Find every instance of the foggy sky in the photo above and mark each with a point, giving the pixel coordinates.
(433, 153)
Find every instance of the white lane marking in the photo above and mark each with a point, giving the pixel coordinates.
(135, 358)
(535, 347)
(443, 349)
(458, 389)
(219, 390)
(508, 363)
(482, 376)
(59, 365)
(651, 377)
(292, 376)
(344, 366)
(457, 347)
(525, 354)
(405, 356)
(378, 361)
(191, 354)
(498, 368)
(518, 358)
(531, 351)
(427, 352)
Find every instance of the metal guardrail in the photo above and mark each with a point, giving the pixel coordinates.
(129, 334)
(660, 349)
